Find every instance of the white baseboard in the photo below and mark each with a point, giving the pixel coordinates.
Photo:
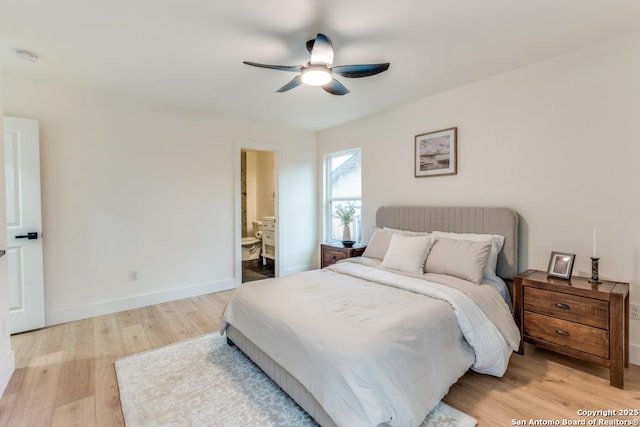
(298, 269)
(69, 314)
(6, 370)
(634, 354)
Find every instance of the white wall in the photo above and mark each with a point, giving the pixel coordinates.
(558, 141)
(7, 361)
(137, 185)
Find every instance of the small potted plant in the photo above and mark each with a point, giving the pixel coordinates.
(346, 214)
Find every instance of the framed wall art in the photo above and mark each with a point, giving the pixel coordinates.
(560, 265)
(436, 153)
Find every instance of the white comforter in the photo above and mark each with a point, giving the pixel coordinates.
(372, 346)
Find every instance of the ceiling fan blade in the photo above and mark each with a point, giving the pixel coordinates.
(295, 82)
(322, 52)
(293, 68)
(361, 70)
(334, 87)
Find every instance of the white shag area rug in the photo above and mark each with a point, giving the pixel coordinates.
(205, 382)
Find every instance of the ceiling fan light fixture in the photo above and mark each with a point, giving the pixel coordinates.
(319, 70)
(316, 75)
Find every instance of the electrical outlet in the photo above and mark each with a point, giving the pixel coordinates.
(634, 311)
(133, 275)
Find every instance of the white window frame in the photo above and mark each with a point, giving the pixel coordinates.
(327, 218)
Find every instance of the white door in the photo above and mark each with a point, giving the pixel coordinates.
(24, 224)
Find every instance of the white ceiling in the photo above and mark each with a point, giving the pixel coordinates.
(189, 52)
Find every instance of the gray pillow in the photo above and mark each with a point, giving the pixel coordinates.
(378, 244)
(497, 242)
(464, 259)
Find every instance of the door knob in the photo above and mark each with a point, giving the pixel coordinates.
(30, 236)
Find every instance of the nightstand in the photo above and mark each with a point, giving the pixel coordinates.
(330, 253)
(576, 318)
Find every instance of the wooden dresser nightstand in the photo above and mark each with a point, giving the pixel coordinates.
(330, 253)
(575, 318)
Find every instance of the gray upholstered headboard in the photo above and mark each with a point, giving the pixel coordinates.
(502, 221)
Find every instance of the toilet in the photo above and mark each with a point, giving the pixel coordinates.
(252, 245)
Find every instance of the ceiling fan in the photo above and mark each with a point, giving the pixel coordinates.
(319, 72)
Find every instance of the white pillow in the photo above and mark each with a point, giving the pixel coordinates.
(497, 242)
(378, 244)
(405, 232)
(407, 253)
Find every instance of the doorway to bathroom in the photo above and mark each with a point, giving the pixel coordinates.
(258, 219)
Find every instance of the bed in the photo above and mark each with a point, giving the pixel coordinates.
(369, 342)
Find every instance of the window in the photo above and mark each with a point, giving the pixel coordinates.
(343, 188)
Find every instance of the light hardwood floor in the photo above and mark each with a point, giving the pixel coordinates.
(65, 374)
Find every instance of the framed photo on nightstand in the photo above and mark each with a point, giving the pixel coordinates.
(561, 265)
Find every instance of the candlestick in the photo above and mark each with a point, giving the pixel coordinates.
(595, 254)
(594, 271)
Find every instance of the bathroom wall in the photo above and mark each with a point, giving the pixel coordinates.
(259, 186)
(249, 189)
(243, 191)
(265, 184)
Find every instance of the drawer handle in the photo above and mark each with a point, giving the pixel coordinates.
(563, 306)
(333, 257)
(561, 332)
